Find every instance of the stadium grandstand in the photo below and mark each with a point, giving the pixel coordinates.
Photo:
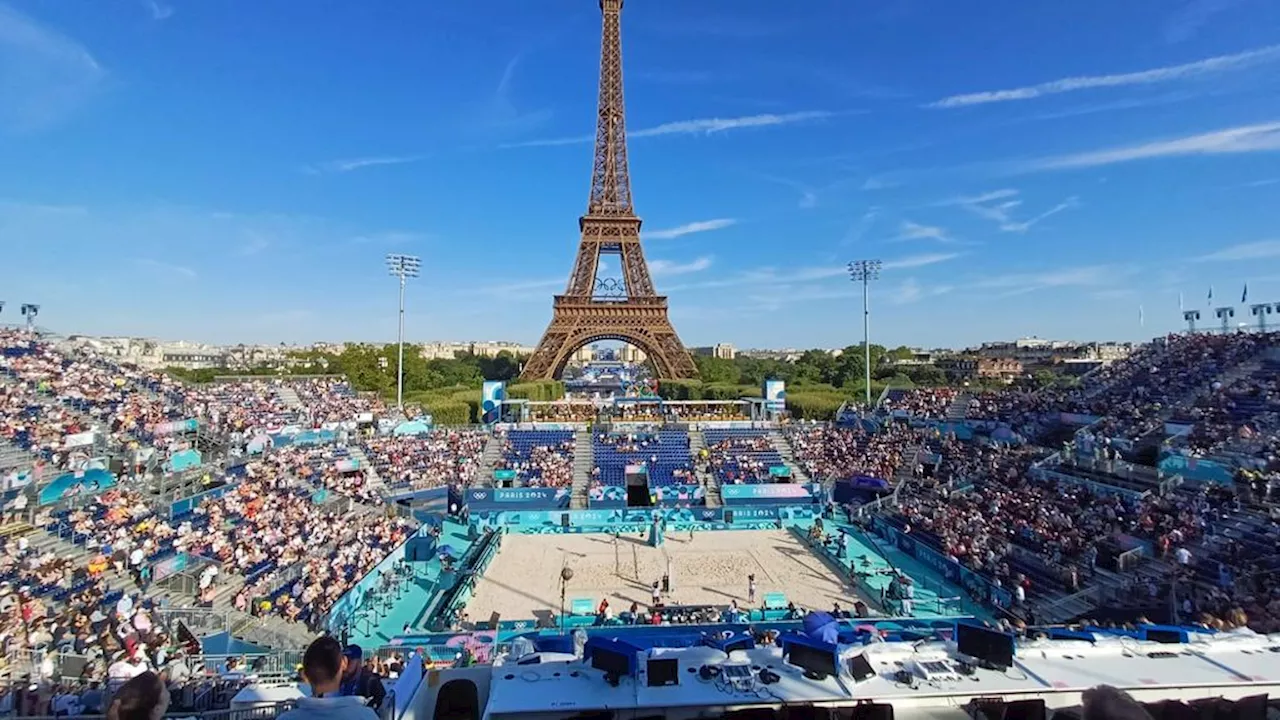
(213, 531)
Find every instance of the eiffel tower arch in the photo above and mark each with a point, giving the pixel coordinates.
(625, 308)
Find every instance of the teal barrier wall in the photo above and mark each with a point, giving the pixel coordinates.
(1197, 469)
(93, 480)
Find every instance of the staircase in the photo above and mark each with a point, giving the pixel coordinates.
(959, 407)
(709, 482)
(788, 454)
(584, 461)
(290, 396)
(357, 453)
(493, 447)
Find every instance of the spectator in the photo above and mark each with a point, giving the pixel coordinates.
(145, 697)
(323, 667)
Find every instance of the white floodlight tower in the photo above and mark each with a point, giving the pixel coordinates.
(402, 267)
(864, 271)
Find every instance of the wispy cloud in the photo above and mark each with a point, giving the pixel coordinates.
(766, 275)
(44, 75)
(999, 206)
(159, 11)
(1083, 276)
(523, 289)
(1260, 250)
(689, 229)
(910, 291)
(1262, 183)
(808, 194)
(1187, 21)
(915, 261)
(388, 238)
(702, 126)
(1238, 140)
(666, 268)
(360, 163)
(861, 227)
(255, 243)
(1200, 68)
(164, 268)
(875, 183)
(909, 230)
(503, 111)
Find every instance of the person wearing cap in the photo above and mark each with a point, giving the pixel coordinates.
(359, 680)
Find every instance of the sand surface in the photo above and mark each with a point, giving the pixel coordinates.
(523, 581)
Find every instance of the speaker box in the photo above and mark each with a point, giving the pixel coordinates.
(564, 520)
(728, 516)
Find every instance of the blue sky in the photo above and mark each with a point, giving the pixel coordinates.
(235, 172)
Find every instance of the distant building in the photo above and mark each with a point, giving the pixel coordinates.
(963, 367)
(450, 350)
(1037, 353)
(720, 351)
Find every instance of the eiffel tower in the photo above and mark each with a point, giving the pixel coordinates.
(593, 308)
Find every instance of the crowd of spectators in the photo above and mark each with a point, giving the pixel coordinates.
(742, 457)
(331, 400)
(538, 457)
(329, 467)
(931, 403)
(841, 452)
(434, 459)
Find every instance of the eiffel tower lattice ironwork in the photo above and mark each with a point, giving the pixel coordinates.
(593, 308)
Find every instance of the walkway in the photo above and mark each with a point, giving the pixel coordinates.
(377, 628)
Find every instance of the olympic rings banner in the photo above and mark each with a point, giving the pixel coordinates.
(771, 493)
(526, 498)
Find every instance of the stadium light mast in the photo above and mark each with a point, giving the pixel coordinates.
(402, 267)
(30, 312)
(864, 271)
(1260, 311)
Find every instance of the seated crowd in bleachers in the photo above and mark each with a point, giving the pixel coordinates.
(740, 455)
(538, 457)
(838, 452)
(563, 411)
(931, 403)
(319, 467)
(663, 453)
(434, 459)
(334, 400)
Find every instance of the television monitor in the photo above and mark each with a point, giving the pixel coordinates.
(663, 671)
(1169, 637)
(611, 662)
(815, 663)
(860, 668)
(989, 646)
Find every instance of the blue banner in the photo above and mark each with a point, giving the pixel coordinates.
(547, 522)
(1197, 469)
(533, 498)
(955, 573)
(607, 496)
(492, 393)
(67, 485)
(747, 514)
(771, 493)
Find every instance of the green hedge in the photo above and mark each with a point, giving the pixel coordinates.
(814, 405)
(451, 412)
(697, 390)
(539, 391)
